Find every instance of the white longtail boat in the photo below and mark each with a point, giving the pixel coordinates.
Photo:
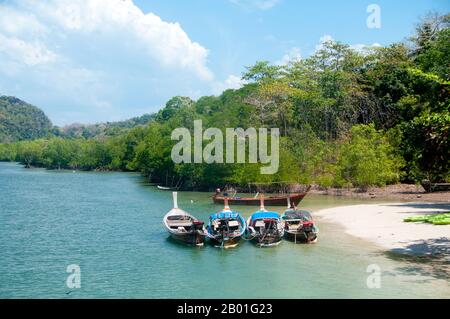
(183, 226)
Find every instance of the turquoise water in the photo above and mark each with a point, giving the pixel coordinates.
(110, 224)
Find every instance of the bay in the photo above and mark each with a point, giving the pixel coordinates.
(110, 224)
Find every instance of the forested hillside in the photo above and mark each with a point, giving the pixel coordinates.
(21, 121)
(347, 118)
(102, 129)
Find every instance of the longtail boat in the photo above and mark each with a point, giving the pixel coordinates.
(183, 226)
(265, 228)
(435, 187)
(276, 200)
(164, 188)
(226, 228)
(299, 225)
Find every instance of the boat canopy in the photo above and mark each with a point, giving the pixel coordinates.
(262, 215)
(223, 215)
(297, 214)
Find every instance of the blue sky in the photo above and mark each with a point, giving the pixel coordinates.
(104, 60)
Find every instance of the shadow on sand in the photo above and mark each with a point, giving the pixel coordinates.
(425, 257)
(429, 257)
(441, 207)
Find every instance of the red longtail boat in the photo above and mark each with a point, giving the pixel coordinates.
(276, 200)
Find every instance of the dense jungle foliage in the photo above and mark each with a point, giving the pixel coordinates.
(347, 118)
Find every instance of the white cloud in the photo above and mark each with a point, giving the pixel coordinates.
(231, 82)
(323, 39)
(294, 54)
(24, 52)
(266, 4)
(17, 23)
(364, 48)
(361, 48)
(164, 42)
(256, 4)
(95, 60)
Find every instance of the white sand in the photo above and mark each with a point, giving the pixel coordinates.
(383, 225)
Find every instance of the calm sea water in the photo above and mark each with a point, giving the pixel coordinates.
(110, 224)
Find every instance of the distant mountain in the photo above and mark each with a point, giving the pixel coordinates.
(103, 129)
(21, 121)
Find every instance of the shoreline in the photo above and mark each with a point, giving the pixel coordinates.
(401, 192)
(383, 225)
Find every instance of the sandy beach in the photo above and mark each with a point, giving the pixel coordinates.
(396, 192)
(383, 225)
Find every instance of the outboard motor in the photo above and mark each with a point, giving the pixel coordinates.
(308, 226)
(198, 225)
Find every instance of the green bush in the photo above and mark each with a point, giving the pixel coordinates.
(7, 152)
(367, 158)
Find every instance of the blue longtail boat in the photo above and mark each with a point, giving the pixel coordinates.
(265, 228)
(226, 228)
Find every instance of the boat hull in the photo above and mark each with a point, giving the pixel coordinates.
(301, 237)
(269, 201)
(435, 187)
(166, 188)
(227, 243)
(267, 241)
(192, 238)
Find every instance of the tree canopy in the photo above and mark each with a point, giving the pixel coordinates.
(346, 117)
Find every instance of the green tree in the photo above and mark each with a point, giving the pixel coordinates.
(8, 152)
(426, 147)
(367, 159)
(58, 153)
(30, 154)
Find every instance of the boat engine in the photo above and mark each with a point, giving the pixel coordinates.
(198, 225)
(308, 227)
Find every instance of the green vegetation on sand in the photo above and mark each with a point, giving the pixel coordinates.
(438, 219)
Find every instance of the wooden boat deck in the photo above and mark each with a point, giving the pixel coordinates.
(276, 200)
